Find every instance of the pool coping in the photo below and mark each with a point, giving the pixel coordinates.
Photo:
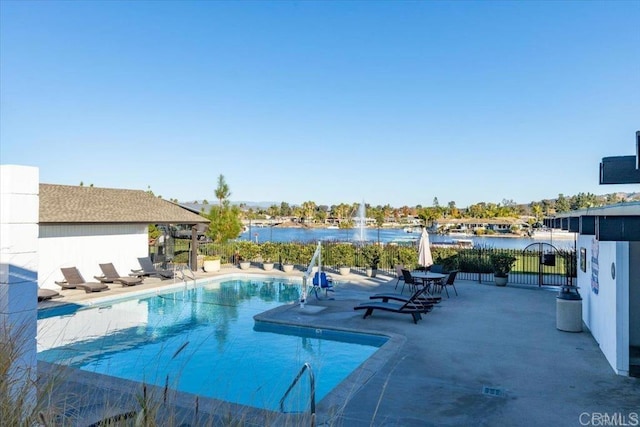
(106, 396)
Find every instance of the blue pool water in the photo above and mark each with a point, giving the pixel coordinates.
(205, 341)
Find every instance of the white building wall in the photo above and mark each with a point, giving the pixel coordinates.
(634, 294)
(19, 186)
(86, 246)
(605, 305)
(620, 272)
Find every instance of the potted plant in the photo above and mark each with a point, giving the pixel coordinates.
(371, 255)
(269, 252)
(211, 263)
(502, 263)
(247, 251)
(288, 255)
(342, 255)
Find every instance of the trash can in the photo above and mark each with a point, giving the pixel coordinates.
(569, 309)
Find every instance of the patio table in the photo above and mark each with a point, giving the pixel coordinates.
(427, 277)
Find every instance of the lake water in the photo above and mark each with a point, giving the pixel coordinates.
(389, 235)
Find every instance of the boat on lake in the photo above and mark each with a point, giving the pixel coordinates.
(551, 233)
(454, 243)
(460, 232)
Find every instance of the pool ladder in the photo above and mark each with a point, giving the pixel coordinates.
(312, 385)
(185, 272)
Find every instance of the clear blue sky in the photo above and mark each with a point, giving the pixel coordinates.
(386, 102)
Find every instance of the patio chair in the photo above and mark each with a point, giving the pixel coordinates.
(149, 270)
(410, 280)
(110, 275)
(449, 281)
(413, 307)
(322, 281)
(399, 268)
(436, 268)
(73, 279)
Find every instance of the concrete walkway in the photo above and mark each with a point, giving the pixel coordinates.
(488, 357)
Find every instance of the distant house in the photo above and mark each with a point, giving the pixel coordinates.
(86, 226)
(499, 225)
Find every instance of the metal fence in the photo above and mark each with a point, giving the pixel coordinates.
(539, 264)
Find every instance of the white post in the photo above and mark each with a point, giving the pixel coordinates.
(19, 215)
(303, 297)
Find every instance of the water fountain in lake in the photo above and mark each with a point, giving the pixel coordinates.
(361, 224)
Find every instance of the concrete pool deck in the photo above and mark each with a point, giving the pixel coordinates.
(489, 357)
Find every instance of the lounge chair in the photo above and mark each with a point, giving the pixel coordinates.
(110, 275)
(73, 279)
(46, 294)
(149, 270)
(422, 296)
(322, 281)
(413, 307)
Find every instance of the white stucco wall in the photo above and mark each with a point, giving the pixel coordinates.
(634, 294)
(19, 186)
(86, 246)
(606, 313)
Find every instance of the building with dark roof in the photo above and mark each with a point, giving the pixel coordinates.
(86, 226)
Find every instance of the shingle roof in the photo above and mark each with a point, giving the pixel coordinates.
(65, 204)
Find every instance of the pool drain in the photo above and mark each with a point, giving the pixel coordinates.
(493, 391)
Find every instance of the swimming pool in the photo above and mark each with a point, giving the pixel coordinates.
(204, 340)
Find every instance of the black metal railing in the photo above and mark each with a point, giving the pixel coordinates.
(538, 264)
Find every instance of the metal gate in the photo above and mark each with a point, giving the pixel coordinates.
(545, 265)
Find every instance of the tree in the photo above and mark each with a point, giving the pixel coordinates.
(429, 215)
(285, 209)
(273, 211)
(225, 219)
(536, 209)
(308, 211)
(562, 204)
(582, 201)
(378, 215)
(453, 210)
(222, 191)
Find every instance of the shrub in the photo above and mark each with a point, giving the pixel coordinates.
(247, 251)
(288, 253)
(473, 261)
(269, 251)
(407, 256)
(371, 255)
(341, 255)
(181, 257)
(502, 263)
